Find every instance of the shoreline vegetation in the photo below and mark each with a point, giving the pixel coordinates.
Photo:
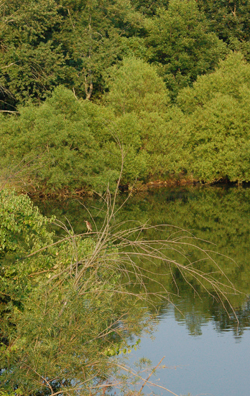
(136, 188)
(165, 88)
(71, 144)
(160, 90)
(88, 293)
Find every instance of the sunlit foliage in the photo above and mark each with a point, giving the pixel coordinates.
(216, 132)
(63, 308)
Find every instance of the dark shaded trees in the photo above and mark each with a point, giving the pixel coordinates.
(31, 61)
(228, 19)
(47, 43)
(180, 44)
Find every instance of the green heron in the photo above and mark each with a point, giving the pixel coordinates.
(89, 228)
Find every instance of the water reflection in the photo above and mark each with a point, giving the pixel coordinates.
(214, 364)
(220, 216)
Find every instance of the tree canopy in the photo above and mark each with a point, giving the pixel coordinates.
(179, 41)
(90, 83)
(216, 131)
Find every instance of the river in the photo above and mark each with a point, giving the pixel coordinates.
(206, 349)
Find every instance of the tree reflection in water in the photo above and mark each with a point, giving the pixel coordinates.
(218, 215)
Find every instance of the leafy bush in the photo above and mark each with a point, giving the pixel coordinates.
(23, 228)
(141, 101)
(228, 79)
(64, 310)
(57, 137)
(135, 87)
(67, 307)
(67, 144)
(216, 132)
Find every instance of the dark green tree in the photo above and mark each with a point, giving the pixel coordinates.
(229, 20)
(31, 62)
(180, 44)
(45, 43)
(150, 7)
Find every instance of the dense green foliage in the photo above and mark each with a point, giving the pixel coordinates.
(51, 42)
(75, 144)
(92, 92)
(216, 131)
(48, 42)
(83, 293)
(63, 308)
(169, 98)
(61, 136)
(23, 228)
(229, 20)
(180, 43)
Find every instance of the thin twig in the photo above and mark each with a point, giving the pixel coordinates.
(146, 380)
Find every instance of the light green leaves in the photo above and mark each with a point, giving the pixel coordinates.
(136, 87)
(216, 130)
(22, 227)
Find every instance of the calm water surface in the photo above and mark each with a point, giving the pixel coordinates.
(207, 352)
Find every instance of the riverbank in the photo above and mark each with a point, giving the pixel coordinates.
(136, 188)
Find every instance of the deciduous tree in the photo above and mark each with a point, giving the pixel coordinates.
(180, 44)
